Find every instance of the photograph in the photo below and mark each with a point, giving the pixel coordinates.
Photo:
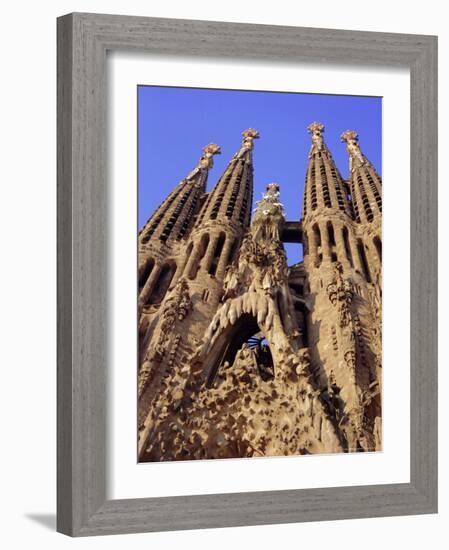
(259, 276)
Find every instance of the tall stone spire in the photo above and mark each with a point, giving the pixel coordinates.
(167, 228)
(365, 184)
(327, 212)
(224, 217)
(231, 198)
(173, 219)
(324, 187)
(237, 357)
(366, 192)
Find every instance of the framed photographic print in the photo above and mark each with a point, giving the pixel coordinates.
(247, 315)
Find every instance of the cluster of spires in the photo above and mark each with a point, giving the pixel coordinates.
(359, 197)
(203, 256)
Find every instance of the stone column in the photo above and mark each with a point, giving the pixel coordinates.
(223, 262)
(177, 274)
(142, 264)
(192, 259)
(149, 285)
(340, 246)
(209, 255)
(325, 245)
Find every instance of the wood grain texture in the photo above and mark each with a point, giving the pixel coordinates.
(83, 40)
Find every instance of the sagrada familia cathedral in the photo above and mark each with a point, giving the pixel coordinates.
(242, 355)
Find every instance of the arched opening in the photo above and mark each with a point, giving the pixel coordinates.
(245, 338)
(261, 352)
(202, 247)
(331, 234)
(162, 284)
(217, 253)
(146, 272)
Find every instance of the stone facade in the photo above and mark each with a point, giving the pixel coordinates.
(242, 355)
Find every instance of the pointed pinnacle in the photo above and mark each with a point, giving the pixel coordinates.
(247, 146)
(315, 128)
(206, 161)
(251, 133)
(349, 135)
(212, 149)
(356, 157)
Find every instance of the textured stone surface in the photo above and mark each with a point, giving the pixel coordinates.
(242, 355)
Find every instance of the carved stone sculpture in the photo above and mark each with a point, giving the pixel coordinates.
(241, 354)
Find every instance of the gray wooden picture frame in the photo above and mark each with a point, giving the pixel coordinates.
(83, 40)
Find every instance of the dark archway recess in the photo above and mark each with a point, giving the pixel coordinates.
(217, 254)
(162, 284)
(245, 330)
(301, 319)
(261, 349)
(146, 273)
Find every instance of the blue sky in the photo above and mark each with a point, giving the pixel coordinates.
(175, 123)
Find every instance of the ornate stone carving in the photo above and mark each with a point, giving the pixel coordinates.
(350, 359)
(258, 283)
(356, 157)
(302, 362)
(341, 292)
(316, 129)
(176, 307)
(206, 161)
(259, 358)
(268, 217)
(249, 136)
